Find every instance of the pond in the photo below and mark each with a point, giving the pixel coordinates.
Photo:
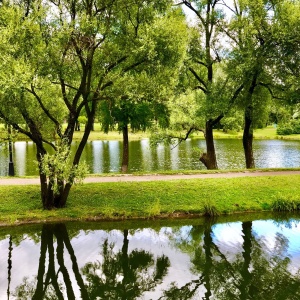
(105, 156)
(245, 258)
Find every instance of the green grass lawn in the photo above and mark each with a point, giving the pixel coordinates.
(131, 200)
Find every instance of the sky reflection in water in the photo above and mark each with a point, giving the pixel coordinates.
(233, 260)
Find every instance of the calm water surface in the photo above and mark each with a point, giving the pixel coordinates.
(191, 259)
(105, 156)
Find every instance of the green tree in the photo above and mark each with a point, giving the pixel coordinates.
(139, 101)
(66, 58)
(286, 64)
(204, 76)
(253, 48)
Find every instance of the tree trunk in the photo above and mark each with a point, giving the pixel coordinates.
(248, 138)
(61, 231)
(245, 286)
(209, 158)
(46, 191)
(208, 262)
(248, 126)
(125, 266)
(11, 169)
(125, 157)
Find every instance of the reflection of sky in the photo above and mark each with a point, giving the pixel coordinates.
(87, 248)
(229, 237)
(97, 155)
(277, 153)
(114, 155)
(146, 156)
(160, 151)
(19, 154)
(88, 245)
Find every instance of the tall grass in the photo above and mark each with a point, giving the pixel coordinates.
(286, 203)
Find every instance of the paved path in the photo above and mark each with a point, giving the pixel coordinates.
(153, 177)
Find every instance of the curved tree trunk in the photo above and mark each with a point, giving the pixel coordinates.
(209, 158)
(125, 157)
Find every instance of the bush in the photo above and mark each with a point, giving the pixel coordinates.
(284, 130)
(292, 128)
(296, 126)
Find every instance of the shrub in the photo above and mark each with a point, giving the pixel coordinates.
(285, 129)
(296, 126)
(284, 203)
(291, 128)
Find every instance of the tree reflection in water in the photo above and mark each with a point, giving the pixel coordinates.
(121, 275)
(253, 274)
(250, 270)
(124, 275)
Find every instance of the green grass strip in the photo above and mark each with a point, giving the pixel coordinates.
(129, 200)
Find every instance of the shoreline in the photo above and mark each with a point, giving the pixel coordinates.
(155, 197)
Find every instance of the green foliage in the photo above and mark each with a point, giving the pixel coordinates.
(58, 168)
(284, 130)
(59, 61)
(139, 98)
(82, 119)
(291, 128)
(231, 124)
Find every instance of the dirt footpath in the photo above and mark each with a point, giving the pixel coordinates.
(152, 177)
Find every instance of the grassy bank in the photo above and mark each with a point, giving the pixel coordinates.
(129, 200)
(265, 133)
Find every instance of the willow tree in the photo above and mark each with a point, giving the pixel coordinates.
(62, 57)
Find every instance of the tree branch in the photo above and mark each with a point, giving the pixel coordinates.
(267, 86)
(45, 110)
(199, 79)
(181, 139)
(217, 119)
(190, 6)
